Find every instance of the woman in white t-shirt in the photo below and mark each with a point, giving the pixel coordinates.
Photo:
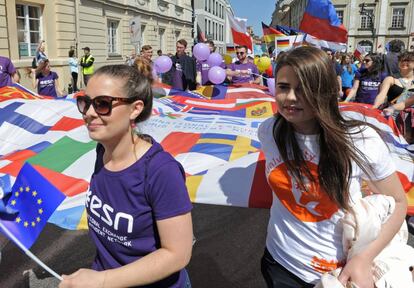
(315, 163)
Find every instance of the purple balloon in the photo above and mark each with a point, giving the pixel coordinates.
(201, 51)
(271, 86)
(162, 64)
(214, 59)
(216, 75)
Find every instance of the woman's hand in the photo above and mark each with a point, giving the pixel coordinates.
(358, 270)
(83, 278)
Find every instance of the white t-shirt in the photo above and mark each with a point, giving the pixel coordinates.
(304, 233)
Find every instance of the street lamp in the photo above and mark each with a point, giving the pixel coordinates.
(370, 15)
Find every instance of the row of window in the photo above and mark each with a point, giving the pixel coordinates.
(214, 30)
(29, 30)
(214, 7)
(397, 19)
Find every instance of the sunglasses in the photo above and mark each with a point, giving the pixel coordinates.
(240, 53)
(367, 60)
(101, 104)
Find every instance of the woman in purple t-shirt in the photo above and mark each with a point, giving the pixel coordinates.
(46, 81)
(367, 80)
(138, 207)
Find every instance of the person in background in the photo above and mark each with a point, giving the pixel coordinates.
(203, 67)
(130, 59)
(242, 71)
(159, 52)
(367, 80)
(146, 52)
(148, 242)
(395, 48)
(74, 71)
(46, 81)
(183, 72)
(348, 73)
(86, 62)
(315, 162)
(337, 68)
(8, 73)
(40, 52)
(395, 90)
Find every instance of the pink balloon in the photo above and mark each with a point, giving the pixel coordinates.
(214, 59)
(162, 64)
(216, 75)
(201, 51)
(271, 86)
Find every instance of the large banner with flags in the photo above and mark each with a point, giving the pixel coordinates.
(214, 139)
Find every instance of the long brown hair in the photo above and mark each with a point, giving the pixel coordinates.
(317, 80)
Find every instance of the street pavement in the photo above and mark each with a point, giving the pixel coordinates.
(230, 243)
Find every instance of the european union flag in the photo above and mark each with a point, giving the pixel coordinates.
(35, 199)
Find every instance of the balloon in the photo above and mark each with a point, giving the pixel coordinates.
(256, 60)
(271, 85)
(214, 59)
(263, 63)
(227, 59)
(162, 64)
(201, 51)
(216, 75)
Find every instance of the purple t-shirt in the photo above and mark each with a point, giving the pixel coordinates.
(368, 87)
(177, 76)
(46, 85)
(6, 71)
(203, 67)
(121, 214)
(246, 66)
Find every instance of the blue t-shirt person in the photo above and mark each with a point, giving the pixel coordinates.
(348, 74)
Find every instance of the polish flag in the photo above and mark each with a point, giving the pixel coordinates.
(239, 32)
(359, 51)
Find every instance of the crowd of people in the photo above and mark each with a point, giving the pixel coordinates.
(150, 241)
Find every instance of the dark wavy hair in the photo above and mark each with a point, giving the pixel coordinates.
(375, 69)
(136, 85)
(317, 81)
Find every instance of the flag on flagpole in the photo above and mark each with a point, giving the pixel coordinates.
(269, 33)
(321, 21)
(239, 32)
(359, 51)
(201, 37)
(35, 199)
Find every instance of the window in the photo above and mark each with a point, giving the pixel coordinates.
(143, 34)
(366, 22)
(29, 31)
(209, 5)
(161, 32)
(367, 45)
(113, 37)
(340, 14)
(205, 5)
(397, 20)
(205, 26)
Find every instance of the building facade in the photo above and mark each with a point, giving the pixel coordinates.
(211, 17)
(370, 23)
(111, 29)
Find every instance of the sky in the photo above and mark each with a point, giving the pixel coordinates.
(255, 11)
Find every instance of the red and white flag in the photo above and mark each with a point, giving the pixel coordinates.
(359, 51)
(239, 32)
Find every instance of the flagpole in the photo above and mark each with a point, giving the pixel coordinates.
(28, 253)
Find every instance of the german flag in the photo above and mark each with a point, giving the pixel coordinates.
(269, 33)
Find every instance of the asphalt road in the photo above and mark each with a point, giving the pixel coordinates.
(230, 243)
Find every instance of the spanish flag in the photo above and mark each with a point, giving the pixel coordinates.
(269, 33)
